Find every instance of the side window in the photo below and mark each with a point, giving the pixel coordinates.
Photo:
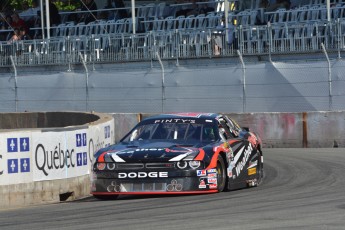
(233, 127)
(224, 129)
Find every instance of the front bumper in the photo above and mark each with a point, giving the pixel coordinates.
(200, 181)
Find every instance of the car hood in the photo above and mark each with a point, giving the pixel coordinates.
(142, 151)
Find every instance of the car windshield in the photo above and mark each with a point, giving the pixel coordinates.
(173, 131)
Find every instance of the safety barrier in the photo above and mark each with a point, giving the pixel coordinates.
(46, 157)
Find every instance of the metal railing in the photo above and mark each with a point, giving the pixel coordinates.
(279, 38)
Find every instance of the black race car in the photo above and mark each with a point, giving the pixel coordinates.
(181, 153)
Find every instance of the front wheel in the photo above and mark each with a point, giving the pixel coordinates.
(260, 170)
(221, 175)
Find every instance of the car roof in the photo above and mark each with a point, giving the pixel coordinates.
(185, 115)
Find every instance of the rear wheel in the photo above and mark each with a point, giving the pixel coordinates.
(221, 175)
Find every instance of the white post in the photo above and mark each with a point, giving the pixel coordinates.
(48, 19)
(133, 16)
(328, 10)
(42, 18)
(226, 11)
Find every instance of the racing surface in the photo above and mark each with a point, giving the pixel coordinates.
(302, 189)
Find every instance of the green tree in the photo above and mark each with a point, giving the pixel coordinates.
(65, 5)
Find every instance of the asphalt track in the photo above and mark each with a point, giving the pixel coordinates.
(302, 189)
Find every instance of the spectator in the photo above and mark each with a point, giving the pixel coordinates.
(18, 22)
(23, 34)
(15, 36)
(87, 17)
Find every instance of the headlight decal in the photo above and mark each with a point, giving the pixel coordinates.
(200, 156)
(116, 158)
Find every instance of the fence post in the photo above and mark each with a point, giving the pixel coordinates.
(244, 80)
(15, 82)
(329, 78)
(163, 80)
(87, 81)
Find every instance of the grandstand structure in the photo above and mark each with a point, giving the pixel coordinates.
(253, 31)
(286, 60)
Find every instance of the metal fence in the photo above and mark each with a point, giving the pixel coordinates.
(280, 38)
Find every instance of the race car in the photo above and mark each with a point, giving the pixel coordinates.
(182, 153)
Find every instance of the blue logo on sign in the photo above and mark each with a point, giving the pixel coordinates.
(24, 144)
(12, 145)
(78, 139)
(84, 139)
(81, 139)
(79, 159)
(107, 131)
(12, 166)
(84, 158)
(25, 165)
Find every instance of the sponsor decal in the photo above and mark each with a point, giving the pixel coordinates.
(211, 170)
(133, 175)
(229, 172)
(212, 186)
(202, 184)
(242, 163)
(251, 171)
(253, 164)
(212, 180)
(212, 175)
(176, 120)
(53, 159)
(174, 186)
(201, 172)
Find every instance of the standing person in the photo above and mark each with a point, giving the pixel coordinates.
(88, 5)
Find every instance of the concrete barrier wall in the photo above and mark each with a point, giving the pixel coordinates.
(50, 164)
(294, 130)
(45, 180)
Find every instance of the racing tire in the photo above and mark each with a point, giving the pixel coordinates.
(221, 174)
(106, 197)
(260, 170)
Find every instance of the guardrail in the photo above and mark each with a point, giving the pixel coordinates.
(278, 38)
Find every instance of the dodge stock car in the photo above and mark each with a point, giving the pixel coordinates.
(181, 153)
